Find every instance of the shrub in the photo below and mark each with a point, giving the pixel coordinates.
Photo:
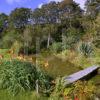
(81, 90)
(86, 49)
(16, 47)
(9, 38)
(58, 89)
(56, 47)
(70, 37)
(27, 50)
(17, 76)
(96, 42)
(84, 90)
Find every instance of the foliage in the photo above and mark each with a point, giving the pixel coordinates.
(84, 90)
(17, 76)
(96, 34)
(92, 7)
(70, 37)
(47, 22)
(3, 22)
(20, 17)
(16, 47)
(43, 81)
(58, 89)
(9, 38)
(55, 28)
(86, 49)
(22, 96)
(56, 47)
(81, 90)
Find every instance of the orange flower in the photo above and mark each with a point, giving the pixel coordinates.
(53, 82)
(76, 98)
(46, 64)
(0, 62)
(1, 56)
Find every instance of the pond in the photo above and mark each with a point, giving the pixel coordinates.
(59, 67)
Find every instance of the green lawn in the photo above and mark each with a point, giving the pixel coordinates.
(4, 95)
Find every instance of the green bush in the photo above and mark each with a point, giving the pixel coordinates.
(70, 37)
(16, 47)
(56, 47)
(17, 76)
(27, 50)
(58, 89)
(86, 49)
(9, 38)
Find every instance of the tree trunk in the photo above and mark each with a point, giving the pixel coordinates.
(37, 87)
(48, 41)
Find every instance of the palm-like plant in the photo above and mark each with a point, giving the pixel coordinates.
(86, 49)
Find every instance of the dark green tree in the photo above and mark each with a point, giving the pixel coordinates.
(20, 17)
(92, 7)
(3, 21)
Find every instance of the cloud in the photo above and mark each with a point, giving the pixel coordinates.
(12, 1)
(40, 5)
(55, 0)
(81, 2)
(16, 1)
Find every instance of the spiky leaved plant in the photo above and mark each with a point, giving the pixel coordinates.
(86, 49)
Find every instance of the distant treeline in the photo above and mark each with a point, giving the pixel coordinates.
(52, 23)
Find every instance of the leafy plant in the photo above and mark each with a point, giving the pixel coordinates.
(86, 49)
(84, 90)
(16, 47)
(17, 76)
(43, 81)
(58, 89)
(56, 47)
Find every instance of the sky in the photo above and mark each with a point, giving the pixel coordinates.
(6, 6)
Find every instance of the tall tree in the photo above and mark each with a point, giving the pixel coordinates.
(49, 30)
(48, 13)
(3, 21)
(69, 11)
(96, 35)
(20, 17)
(92, 7)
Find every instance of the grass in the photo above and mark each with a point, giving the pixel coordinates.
(4, 95)
(4, 53)
(57, 66)
(96, 81)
